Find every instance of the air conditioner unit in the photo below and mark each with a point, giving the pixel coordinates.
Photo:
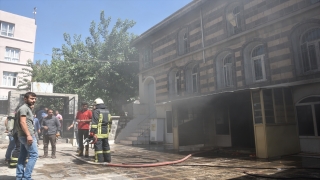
(157, 130)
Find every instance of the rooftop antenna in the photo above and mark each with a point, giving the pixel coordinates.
(34, 14)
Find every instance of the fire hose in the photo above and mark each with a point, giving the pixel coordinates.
(188, 156)
(87, 141)
(130, 165)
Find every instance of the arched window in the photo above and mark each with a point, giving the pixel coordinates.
(258, 68)
(305, 40)
(310, 50)
(308, 116)
(195, 79)
(234, 18)
(191, 75)
(224, 70)
(147, 57)
(183, 41)
(227, 70)
(175, 82)
(254, 55)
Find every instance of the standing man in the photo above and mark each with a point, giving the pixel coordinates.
(100, 127)
(37, 128)
(9, 124)
(39, 116)
(51, 127)
(59, 117)
(27, 138)
(84, 117)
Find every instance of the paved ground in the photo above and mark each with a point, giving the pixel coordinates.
(214, 164)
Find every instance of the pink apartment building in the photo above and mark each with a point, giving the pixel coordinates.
(17, 40)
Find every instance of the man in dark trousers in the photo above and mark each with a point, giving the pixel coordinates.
(100, 128)
(84, 117)
(51, 127)
(39, 116)
(16, 151)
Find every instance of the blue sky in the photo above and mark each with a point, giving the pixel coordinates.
(55, 17)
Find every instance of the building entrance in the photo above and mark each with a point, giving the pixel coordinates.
(241, 122)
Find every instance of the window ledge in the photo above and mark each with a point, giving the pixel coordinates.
(310, 72)
(14, 63)
(259, 81)
(281, 124)
(8, 87)
(310, 137)
(17, 39)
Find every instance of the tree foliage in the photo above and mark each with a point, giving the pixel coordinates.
(101, 66)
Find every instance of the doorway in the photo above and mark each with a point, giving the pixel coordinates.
(241, 121)
(168, 124)
(308, 117)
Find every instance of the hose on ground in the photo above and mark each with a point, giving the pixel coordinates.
(206, 165)
(129, 165)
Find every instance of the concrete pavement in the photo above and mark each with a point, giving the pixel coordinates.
(213, 164)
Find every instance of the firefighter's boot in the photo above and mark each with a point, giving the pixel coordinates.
(13, 162)
(107, 156)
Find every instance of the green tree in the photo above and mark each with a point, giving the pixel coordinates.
(101, 66)
(34, 72)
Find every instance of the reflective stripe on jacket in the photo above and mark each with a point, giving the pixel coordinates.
(100, 124)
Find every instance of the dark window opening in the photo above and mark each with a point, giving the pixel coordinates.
(305, 120)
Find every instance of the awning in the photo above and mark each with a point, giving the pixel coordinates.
(289, 84)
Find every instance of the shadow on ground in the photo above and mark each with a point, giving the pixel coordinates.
(7, 177)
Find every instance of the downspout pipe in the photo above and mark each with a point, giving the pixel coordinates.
(202, 36)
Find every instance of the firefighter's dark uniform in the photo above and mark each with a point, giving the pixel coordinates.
(100, 126)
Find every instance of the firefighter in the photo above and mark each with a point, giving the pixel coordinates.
(100, 127)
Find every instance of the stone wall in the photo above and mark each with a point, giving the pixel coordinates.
(273, 30)
(3, 135)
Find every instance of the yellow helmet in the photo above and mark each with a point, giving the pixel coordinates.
(98, 101)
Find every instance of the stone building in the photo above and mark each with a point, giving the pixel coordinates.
(236, 73)
(17, 41)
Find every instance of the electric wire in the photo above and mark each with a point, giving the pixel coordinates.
(80, 59)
